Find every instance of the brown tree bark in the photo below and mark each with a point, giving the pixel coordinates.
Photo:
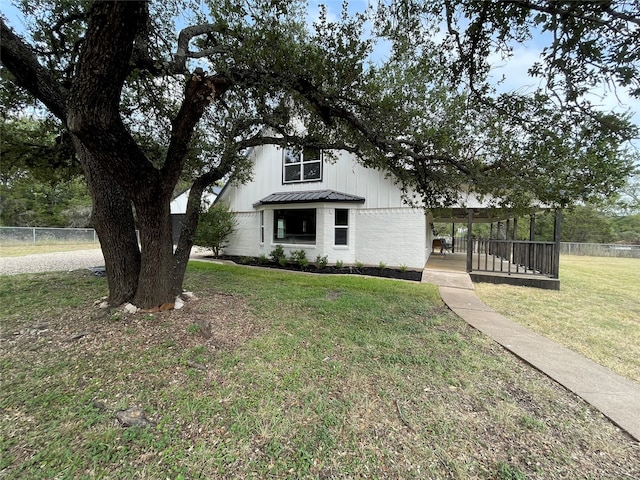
(94, 118)
(112, 217)
(156, 242)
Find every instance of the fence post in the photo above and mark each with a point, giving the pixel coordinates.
(34, 235)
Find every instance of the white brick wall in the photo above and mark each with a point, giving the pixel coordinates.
(390, 236)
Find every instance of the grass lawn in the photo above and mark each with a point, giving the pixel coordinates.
(271, 374)
(17, 250)
(596, 312)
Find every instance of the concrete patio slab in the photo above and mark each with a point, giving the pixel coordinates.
(447, 279)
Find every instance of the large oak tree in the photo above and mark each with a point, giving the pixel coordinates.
(146, 108)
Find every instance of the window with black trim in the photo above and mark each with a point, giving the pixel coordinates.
(302, 165)
(261, 226)
(294, 226)
(341, 235)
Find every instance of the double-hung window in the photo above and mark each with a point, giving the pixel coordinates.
(302, 165)
(341, 232)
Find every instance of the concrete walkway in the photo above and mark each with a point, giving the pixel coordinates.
(616, 397)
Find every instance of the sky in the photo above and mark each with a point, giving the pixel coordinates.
(513, 70)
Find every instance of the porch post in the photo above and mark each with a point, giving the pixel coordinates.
(532, 238)
(556, 238)
(453, 237)
(469, 241)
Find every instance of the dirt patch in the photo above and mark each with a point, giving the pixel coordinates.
(229, 320)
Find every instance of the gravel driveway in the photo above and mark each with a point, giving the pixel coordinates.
(51, 262)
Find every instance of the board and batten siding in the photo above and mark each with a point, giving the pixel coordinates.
(381, 230)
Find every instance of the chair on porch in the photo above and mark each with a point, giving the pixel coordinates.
(441, 244)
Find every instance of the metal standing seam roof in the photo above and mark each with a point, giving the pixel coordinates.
(308, 197)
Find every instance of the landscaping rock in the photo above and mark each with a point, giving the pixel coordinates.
(130, 308)
(133, 417)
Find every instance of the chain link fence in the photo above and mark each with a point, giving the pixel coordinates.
(600, 250)
(46, 236)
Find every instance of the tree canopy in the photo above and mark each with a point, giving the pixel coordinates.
(153, 93)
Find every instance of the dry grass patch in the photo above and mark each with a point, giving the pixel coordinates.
(19, 250)
(596, 312)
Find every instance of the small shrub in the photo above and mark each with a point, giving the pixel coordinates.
(262, 259)
(382, 265)
(339, 264)
(359, 264)
(277, 254)
(322, 262)
(299, 257)
(246, 260)
(215, 227)
(403, 268)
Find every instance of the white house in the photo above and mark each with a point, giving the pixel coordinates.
(331, 207)
(179, 208)
(179, 204)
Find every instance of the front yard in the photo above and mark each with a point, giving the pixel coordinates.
(272, 374)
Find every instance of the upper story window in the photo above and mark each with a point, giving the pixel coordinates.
(302, 165)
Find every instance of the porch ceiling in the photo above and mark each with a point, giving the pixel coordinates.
(484, 210)
(480, 215)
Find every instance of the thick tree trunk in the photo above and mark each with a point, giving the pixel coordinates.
(156, 241)
(187, 234)
(190, 224)
(112, 218)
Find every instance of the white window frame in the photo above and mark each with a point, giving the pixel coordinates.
(295, 158)
(262, 226)
(341, 227)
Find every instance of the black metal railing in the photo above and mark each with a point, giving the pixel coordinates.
(515, 257)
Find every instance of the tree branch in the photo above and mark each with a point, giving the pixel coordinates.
(94, 103)
(201, 90)
(21, 61)
(187, 34)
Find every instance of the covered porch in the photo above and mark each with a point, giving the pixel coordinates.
(499, 257)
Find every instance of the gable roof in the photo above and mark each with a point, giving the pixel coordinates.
(308, 197)
(179, 204)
